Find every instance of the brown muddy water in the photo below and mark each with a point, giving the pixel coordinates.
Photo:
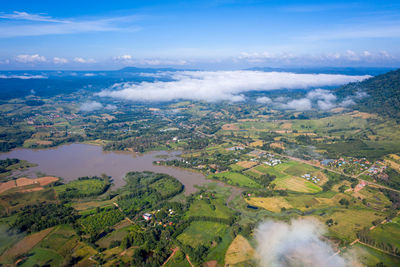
(76, 160)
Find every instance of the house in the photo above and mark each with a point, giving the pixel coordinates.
(147, 216)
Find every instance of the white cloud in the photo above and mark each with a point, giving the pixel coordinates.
(22, 77)
(297, 104)
(90, 106)
(83, 60)
(264, 100)
(89, 74)
(60, 60)
(128, 59)
(5, 61)
(221, 85)
(298, 243)
(36, 58)
(111, 107)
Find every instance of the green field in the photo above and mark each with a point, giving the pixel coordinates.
(350, 221)
(235, 178)
(371, 257)
(388, 233)
(215, 208)
(288, 176)
(202, 233)
(82, 188)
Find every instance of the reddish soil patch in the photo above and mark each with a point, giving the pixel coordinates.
(7, 185)
(210, 264)
(230, 127)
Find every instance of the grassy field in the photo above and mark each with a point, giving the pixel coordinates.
(24, 245)
(387, 233)
(81, 188)
(350, 221)
(239, 251)
(288, 176)
(274, 204)
(371, 257)
(12, 201)
(216, 208)
(116, 235)
(178, 260)
(202, 233)
(235, 178)
(7, 238)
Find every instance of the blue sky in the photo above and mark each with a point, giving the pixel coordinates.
(225, 34)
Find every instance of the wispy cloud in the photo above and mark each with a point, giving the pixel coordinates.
(60, 60)
(221, 85)
(22, 77)
(16, 15)
(90, 106)
(297, 243)
(338, 57)
(25, 24)
(129, 59)
(25, 58)
(84, 60)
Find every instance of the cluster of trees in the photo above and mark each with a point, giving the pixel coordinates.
(4, 163)
(265, 179)
(95, 224)
(38, 217)
(138, 194)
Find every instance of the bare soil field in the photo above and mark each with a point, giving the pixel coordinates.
(230, 127)
(21, 182)
(246, 164)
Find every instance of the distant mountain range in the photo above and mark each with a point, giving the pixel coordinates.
(383, 94)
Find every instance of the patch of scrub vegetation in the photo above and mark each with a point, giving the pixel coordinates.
(83, 187)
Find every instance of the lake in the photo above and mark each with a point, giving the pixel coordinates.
(76, 160)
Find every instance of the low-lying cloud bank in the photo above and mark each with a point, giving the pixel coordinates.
(297, 243)
(94, 105)
(23, 77)
(221, 85)
(318, 98)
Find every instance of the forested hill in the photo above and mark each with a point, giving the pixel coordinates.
(383, 94)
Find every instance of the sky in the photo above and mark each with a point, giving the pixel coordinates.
(210, 35)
